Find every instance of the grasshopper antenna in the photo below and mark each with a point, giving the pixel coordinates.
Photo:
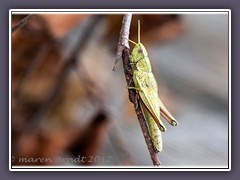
(138, 31)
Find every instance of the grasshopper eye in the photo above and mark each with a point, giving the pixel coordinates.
(140, 51)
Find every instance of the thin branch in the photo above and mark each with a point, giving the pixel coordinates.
(123, 46)
(123, 39)
(22, 22)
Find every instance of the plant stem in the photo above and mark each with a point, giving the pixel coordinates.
(124, 51)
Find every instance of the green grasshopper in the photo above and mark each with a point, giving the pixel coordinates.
(147, 90)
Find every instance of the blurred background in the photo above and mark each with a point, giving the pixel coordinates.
(70, 108)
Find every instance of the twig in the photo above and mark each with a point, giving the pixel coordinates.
(22, 22)
(123, 39)
(123, 46)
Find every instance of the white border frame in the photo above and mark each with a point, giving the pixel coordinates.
(122, 11)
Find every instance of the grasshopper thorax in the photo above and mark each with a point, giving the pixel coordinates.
(140, 58)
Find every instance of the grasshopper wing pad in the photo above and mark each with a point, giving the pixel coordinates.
(149, 96)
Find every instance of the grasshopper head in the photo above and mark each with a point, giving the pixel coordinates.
(139, 51)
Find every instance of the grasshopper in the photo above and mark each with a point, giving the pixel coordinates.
(147, 90)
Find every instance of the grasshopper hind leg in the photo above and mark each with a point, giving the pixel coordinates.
(166, 114)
